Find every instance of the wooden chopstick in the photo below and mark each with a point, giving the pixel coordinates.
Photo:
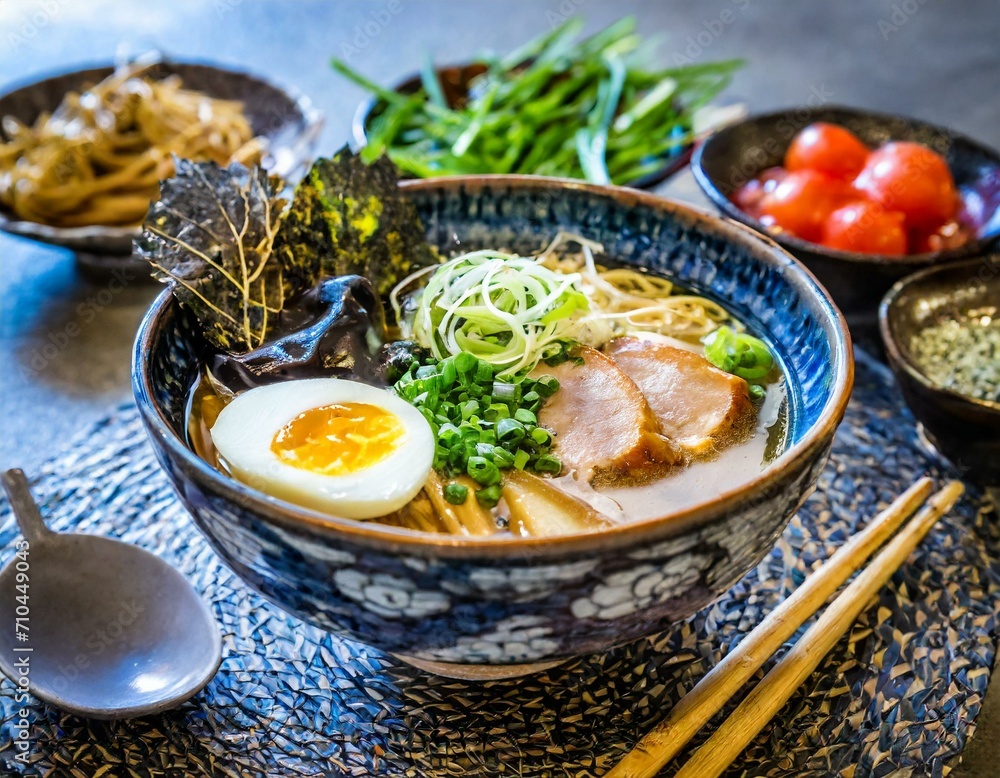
(770, 695)
(708, 697)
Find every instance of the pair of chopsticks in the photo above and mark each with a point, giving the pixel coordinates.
(708, 697)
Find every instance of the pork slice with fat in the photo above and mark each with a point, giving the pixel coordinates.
(604, 428)
(699, 407)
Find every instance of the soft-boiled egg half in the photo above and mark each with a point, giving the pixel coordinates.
(336, 446)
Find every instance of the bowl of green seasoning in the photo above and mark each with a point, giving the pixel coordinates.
(941, 329)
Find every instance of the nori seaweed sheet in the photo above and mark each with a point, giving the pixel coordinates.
(351, 218)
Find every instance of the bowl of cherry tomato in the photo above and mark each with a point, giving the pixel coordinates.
(863, 199)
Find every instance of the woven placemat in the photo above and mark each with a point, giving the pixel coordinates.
(900, 693)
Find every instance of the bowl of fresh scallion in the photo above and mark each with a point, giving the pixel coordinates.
(559, 106)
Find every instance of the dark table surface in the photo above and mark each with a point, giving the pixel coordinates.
(925, 58)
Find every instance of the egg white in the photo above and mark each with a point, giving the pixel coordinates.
(246, 427)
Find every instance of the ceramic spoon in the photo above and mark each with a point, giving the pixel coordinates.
(111, 630)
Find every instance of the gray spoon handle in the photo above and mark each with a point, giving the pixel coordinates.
(29, 519)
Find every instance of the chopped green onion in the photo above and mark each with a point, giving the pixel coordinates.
(503, 458)
(449, 373)
(548, 464)
(504, 392)
(483, 423)
(525, 416)
(483, 372)
(497, 411)
(483, 471)
(456, 493)
(510, 429)
(738, 353)
(489, 496)
(547, 385)
(541, 436)
(464, 362)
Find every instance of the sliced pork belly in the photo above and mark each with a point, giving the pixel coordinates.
(699, 406)
(603, 425)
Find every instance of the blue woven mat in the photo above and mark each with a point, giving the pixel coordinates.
(900, 692)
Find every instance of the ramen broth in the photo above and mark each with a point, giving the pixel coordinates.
(736, 455)
(703, 479)
(683, 487)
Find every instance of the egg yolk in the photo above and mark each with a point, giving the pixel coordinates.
(338, 439)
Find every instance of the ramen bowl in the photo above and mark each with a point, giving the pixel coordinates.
(504, 605)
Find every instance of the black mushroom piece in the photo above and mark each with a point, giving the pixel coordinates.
(395, 358)
(335, 330)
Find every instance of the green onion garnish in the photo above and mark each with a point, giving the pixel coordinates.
(456, 493)
(506, 312)
(742, 355)
(482, 422)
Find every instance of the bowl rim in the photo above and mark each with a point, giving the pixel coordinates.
(372, 534)
(723, 203)
(900, 357)
(312, 118)
(672, 164)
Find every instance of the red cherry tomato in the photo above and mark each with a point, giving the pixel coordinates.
(802, 201)
(949, 235)
(913, 179)
(748, 197)
(866, 227)
(829, 149)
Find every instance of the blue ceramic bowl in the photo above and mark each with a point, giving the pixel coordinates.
(502, 600)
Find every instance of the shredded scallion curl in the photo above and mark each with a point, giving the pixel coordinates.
(514, 311)
(507, 310)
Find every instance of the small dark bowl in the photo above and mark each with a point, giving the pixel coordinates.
(455, 81)
(504, 600)
(286, 118)
(965, 430)
(737, 153)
